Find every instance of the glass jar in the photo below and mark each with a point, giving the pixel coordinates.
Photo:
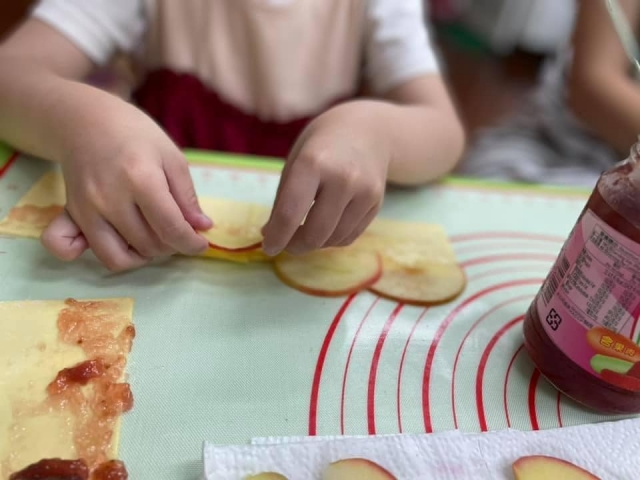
(582, 329)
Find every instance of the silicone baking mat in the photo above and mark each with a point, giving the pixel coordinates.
(226, 352)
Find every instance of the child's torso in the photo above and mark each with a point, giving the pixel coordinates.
(279, 60)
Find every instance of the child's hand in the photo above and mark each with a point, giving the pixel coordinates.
(341, 162)
(129, 203)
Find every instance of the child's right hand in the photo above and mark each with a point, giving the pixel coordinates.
(130, 198)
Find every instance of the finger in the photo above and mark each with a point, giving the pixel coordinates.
(181, 187)
(63, 238)
(359, 229)
(286, 171)
(137, 232)
(109, 247)
(322, 220)
(297, 193)
(162, 212)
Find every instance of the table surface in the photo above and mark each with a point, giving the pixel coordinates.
(226, 352)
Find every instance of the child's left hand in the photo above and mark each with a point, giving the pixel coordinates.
(340, 161)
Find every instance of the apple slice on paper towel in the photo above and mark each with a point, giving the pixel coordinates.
(356, 469)
(347, 469)
(237, 225)
(540, 467)
(267, 476)
(330, 272)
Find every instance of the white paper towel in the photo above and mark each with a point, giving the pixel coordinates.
(609, 450)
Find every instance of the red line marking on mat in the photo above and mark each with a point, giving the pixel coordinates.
(512, 256)
(371, 393)
(464, 339)
(346, 368)
(483, 364)
(468, 237)
(404, 354)
(506, 384)
(533, 385)
(474, 248)
(558, 412)
(322, 356)
(428, 425)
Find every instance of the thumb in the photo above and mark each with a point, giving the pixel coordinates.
(184, 193)
(63, 239)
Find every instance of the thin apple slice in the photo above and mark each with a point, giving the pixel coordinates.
(248, 256)
(267, 476)
(541, 467)
(356, 469)
(410, 244)
(331, 272)
(237, 225)
(426, 284)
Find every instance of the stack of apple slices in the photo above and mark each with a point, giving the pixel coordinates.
(407, 262)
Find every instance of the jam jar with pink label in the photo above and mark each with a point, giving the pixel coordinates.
(583, 330)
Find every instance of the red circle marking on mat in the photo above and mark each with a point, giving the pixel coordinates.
(346, 368)
(520, 246)
(506, 384)
(371, 392)
(411, 333)
(441, 329)
(510, 256)
(468, 237)
(533, 385)
(483, 363)
(491, 273)
(404, 353)
(558, 412)
(464, 339)
(317, 376)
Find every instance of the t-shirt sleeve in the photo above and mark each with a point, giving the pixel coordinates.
(398, 46)
(99, 28)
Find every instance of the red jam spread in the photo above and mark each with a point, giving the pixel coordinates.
(34, 215)
(54, 468)
(79, 374)
(111, 470)
(91, 391)
(582, 329)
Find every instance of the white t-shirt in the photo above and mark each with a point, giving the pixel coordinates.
(386, 42)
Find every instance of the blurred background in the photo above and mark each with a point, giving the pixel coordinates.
(492, 50)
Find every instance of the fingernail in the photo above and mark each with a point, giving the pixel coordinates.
(205, 219)
(270, 250)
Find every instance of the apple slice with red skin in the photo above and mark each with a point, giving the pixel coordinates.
(330, 272)
(423, 285)
(267, 476)
(541, 467)
(249, 256)
(237, 225)
(356, 469)
(418, 262)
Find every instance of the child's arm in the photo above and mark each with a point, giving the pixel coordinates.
(129, 191)
(347, 155)
(426, 138)
(602, 93)
(342, 162)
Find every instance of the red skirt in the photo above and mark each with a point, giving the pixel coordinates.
(196, 117)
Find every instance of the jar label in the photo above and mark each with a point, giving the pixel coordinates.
(589, 303)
